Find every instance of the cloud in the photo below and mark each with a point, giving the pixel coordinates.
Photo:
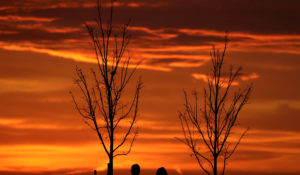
(250, 77)
(26, 18)
(282, 118)
(63, 54)
(44, 25)
(202, 77)
(23, 85)
(153, 34)
(205, 78)
(231, 15)
(49, 29)
(219, 15)
(169, 46)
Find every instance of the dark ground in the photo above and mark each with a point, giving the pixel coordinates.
(127, 172)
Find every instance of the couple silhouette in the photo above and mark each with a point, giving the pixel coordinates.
(135, 170)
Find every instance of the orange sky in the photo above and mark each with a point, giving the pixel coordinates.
(41, 42)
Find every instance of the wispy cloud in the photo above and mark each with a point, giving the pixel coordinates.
(249, 77)
(224, 80)
(14, 18)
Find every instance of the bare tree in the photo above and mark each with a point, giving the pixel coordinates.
(207, 129)
(101, 104)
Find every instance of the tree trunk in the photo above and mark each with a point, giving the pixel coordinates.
(111, 158)
(111, 155)
(215, 165)
(110, 167)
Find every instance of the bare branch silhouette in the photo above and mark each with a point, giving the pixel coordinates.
(209, 127)
(100, 104)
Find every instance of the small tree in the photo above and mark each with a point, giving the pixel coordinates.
(206, 129)
(102, 107)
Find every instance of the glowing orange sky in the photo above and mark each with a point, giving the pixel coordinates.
(41, 42)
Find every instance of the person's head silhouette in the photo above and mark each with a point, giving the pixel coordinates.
(161, 171)
(135, 169)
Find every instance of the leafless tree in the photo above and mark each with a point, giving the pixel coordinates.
(101, 104)
(208, 127)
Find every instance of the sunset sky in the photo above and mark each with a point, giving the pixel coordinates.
(42, 41)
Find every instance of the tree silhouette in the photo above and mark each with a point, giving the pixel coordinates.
(100, 103)
(206, 129)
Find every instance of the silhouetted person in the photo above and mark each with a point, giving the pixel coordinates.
(135, 169)
(161, 171)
